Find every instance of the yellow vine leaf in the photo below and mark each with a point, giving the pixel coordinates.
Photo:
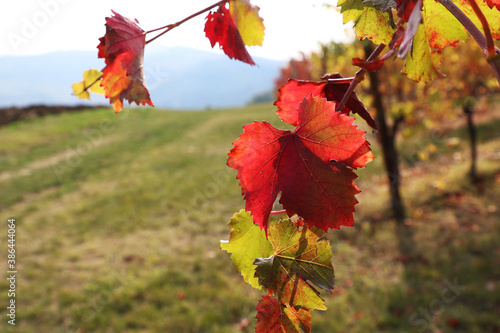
(247, 20)
(91, 82)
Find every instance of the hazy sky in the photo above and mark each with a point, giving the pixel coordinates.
(41, 26)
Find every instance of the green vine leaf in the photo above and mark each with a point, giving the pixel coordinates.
(298, 258)
(369, 21)
(246, 242)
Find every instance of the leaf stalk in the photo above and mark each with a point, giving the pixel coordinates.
(476, 34)
(360, 75)
(169, 27)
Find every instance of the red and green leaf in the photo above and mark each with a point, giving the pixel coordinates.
(221, 29)
(309, 166)
(275, 317)
(246, 18)
(122, 48)
(298, 260)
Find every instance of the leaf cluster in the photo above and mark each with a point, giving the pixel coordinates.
(290, 264)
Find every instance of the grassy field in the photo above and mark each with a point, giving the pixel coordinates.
(119, 219)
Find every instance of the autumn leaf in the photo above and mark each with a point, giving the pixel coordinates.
(371, 66)
(275, 317)
(220, 28)
(247, 242)
(405, 8)
(438, 30)
(298, 260)
(246, 18)
(310, 166)
(410, 31)
(442, 29)
(91, 82)
(423, 63)
(492, 3)
(369, 22)
(122, 48)
(292, 94)
(384, 5)
(491, 14)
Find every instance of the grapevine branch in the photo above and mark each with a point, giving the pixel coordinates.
(360, 75)
(487, 46)
(490, 45)
(171, 26)
(167, 28)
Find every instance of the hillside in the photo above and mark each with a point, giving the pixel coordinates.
(119, 218)
(176, 77)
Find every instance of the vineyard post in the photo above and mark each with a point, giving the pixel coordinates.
(468, 110)
(387, 137)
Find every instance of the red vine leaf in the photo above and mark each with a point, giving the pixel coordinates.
(309, 166)
(275, 317)
(405, 8)
(411, 29)
(292, 94)
(492, 3)
(371, 66)
(220, 28)
(122, 48)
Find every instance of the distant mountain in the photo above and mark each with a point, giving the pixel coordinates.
(176, 77)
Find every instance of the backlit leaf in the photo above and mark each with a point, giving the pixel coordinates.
(492, 3)
(371, 66)
(294, 91)
(91, 82)
(247, 242)
(383, 4)
(298, 251)
(298, 259)
(220, 28)
(491, 14)
(246, 18)
(369, 22)
(441, 27)
(122, 48)
(405, 8)
(422, 64)
(309, 166)
(275, 317)
(439, 30)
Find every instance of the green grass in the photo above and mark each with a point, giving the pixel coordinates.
(119, 220)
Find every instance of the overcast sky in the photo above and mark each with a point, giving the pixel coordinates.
(42, 26)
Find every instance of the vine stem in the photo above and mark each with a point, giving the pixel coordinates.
(341, 80)
(360, 75)
(476, 33)
(169, 27)
(278, 212)
(90, 85)
(490, 44)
